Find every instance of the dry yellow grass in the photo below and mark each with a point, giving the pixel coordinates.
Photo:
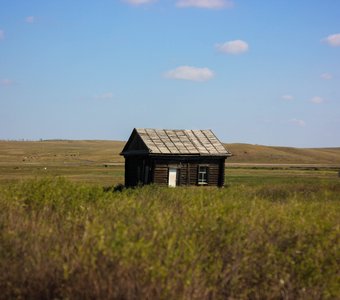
(246, 153)
(81, 161)
(98, 152)
(99, 161)
(60, 152)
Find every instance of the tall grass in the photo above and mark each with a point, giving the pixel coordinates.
(64, 240)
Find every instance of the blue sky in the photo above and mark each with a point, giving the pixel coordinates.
(260, 72)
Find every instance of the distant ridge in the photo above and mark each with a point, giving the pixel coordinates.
(247, 153)
(99, 151)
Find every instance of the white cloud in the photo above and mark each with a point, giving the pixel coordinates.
(139, 2)
(333, 40)
(104, 96)
(30, 19)
(6, 82)
(317, 100)
(287, 97)
(326, 76)
(2, 34)
(209, 4)
(190, 73)
(233, 47)
(298, 122)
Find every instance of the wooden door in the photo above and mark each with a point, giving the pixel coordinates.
(172, 177)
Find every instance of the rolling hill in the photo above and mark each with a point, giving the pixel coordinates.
(246, 153)
(99, 152)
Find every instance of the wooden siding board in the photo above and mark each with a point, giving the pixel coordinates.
(161, 174)
(188, 171)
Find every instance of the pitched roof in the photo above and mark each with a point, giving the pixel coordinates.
(184, 142)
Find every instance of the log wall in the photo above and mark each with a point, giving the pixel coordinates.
(144, 170)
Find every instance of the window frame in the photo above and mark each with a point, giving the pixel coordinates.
(202, 180)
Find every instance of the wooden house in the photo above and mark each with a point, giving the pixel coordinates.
(174, 157)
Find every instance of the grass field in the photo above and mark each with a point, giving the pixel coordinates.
(81, 161)
(99, 162)
(272, 233)
(64, 240)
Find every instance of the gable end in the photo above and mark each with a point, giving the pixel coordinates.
(135, 145)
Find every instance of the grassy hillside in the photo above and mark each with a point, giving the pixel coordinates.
(97, 152)
(55, 152)
(100, 162)
(80, 161)
(246, 153)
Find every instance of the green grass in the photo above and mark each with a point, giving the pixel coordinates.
(266, 176)
(271, 233)
(91, 174)
(67, 240)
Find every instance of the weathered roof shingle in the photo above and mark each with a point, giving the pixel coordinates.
(184, 142)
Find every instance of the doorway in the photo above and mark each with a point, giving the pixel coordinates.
(172, 177)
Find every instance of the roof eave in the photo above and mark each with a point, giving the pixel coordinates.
(129, 153)
(132, 153)
(191, 154)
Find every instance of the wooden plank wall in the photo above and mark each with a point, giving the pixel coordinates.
(193, 171)
(213, 174)
(160, 174)
(131, 175)
(188, 172)
(222, 173)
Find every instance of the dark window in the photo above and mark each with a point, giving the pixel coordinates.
(202, 175)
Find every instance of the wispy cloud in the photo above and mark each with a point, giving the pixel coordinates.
(30, 19)
(287, 97)
(208, 4)
(326, 76)
(233, 47)
(6, 82)
(190, 73)
(2, 34)
(104, 96)
(298, 122)
(333, 40)
(317, 100)
(139, 2)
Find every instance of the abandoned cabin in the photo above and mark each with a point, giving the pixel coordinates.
(174, 158)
